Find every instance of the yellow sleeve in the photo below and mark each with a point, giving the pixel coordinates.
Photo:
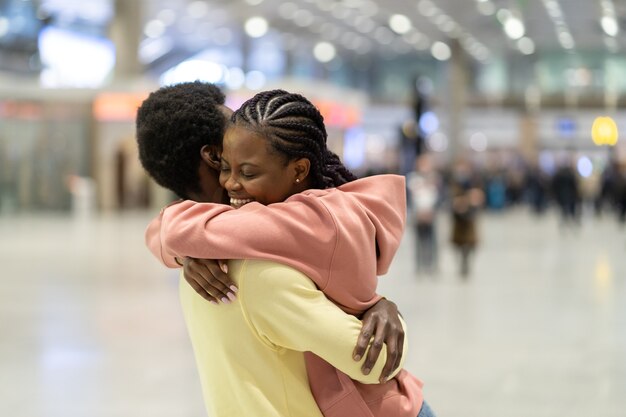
(289, 312)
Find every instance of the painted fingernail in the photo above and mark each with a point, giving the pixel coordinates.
(225, 268)
(213, 302)
(366, 371)
(231, 296)
(357, 357)
(234, 288)
(225, 300)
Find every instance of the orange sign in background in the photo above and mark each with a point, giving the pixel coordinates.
(117, 107)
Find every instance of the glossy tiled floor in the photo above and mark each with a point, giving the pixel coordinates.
(90, 324)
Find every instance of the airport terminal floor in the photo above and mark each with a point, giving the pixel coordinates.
(91, 325)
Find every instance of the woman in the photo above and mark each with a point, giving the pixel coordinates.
(276, 150)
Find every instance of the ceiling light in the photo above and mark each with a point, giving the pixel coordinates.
(154, 29)
(486, 8)
(256, 27)
(287, 10)
(449, 26)
(365, 25)
(413, 37)
(400, 24)
(427, 8)
(324, 51)
(422, 45)
(566, 40)
(440, 51)
(4, 26)
(254, 2)
(340, 12)
(324, 5)
(503, 15)
(303, 18)
(235, 78)
(514, 28)
(478, 142)
(369, 8)
(609, 25)
(526, 46)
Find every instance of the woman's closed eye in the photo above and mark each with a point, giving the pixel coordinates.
(248, 175)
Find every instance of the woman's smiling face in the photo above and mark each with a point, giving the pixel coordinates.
(251, 171)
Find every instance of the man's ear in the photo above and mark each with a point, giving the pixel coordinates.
(211, 156)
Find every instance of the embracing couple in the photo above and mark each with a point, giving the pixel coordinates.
(280, 247)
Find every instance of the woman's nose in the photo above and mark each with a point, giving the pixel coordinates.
(232, 184)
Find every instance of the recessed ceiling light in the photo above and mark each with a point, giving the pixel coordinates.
(287, 10)
(440, 51)
(514, 28)
(609, 25)
(154, 29)
(256, 27)
(400, 24)
(526, 46)
(324, 51)
(303, 18)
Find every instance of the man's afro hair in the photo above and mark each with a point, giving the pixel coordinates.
(173, 124)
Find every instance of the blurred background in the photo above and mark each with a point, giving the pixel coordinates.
(504, 115)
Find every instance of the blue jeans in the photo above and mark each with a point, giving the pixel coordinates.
(425, 411)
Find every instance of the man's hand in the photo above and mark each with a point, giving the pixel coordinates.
(208, 277)
(381, 322)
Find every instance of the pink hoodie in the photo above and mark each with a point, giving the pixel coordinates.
(330, 235)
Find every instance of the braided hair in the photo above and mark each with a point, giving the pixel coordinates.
(295, 128)
(173, 124)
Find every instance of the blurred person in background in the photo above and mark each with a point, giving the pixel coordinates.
(175, 139)
(466, 199)
(537, 189)
(620, 192)
(607, 192)
(589, 186)
(566, 192)
(424, 190)
(495, 189)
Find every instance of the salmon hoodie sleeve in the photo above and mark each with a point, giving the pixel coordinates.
(330, 235)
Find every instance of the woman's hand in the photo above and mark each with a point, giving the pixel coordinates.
(208, 277)
(382, 323)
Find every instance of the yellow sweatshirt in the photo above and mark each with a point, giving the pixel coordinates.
(249, 353)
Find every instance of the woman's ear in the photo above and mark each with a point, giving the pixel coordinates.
(302, 167)
(211, 156)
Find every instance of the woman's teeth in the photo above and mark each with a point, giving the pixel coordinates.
(240, 202)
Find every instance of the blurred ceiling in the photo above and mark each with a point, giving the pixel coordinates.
(483, 28)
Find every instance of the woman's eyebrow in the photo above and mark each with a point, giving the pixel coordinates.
(243, 164)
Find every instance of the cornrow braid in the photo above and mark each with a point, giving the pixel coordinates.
(295, 128)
